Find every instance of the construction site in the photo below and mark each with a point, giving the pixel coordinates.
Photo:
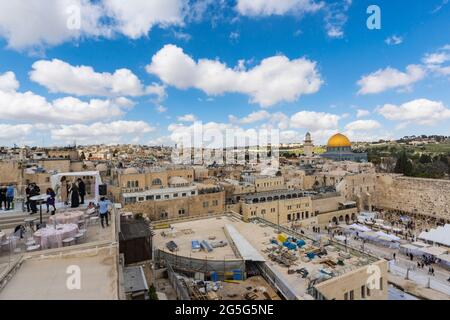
(224, 258)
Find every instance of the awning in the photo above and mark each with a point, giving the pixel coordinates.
(246, 250)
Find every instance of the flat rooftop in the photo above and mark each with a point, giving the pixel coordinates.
(259, 235)
(45, 278)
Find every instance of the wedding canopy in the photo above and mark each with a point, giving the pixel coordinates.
(56, 180)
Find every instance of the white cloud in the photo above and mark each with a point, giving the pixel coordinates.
(363, 125)
(436, 58)
(8, 81)
(160, 109)
(255, 117)
(30, 23)
(390, 78)
(276, 7)
(187, 118)
(34, 108)
(274, 80)
(60, 77)
(394, 40)
(361, 113)
(135, 18)
(420, 111)
(118, 132)
(336, 18)
(311, 120)
(14, 133)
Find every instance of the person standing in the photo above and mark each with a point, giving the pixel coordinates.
(104, 210)
(51, 200)
(10, 196)
(81, 190)
(35, 191)
(2, 197)
(75, 196)
(27, 194)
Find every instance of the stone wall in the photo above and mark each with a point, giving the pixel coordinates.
(429, 197)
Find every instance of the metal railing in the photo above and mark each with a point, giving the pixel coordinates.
(179, 286)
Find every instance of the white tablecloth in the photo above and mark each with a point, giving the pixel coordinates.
(66, 217)
(50, 237)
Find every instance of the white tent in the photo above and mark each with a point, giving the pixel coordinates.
(440, 235)
(56, 180)
(358, 227)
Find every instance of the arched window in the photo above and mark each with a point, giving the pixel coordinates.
(157, 182)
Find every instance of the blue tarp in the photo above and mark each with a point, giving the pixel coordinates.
(195, 245)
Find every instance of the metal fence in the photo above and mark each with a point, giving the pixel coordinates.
(188, 264)
(177, 284)
(420, 279)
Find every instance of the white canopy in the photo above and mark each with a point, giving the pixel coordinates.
(56, 180)
(359, 227)
(439, 235)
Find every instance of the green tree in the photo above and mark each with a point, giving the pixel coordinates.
(404, 165)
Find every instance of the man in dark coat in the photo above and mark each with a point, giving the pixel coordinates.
(81, 190)
(75, 196)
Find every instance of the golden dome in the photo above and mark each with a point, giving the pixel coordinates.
(338, 140)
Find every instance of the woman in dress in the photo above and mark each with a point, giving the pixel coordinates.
(75, 196)
(51, 200)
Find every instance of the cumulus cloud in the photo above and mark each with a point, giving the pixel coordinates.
(135, 18)
(277, 7)
(27, 24)
(361, 113)
(420, 111)
(274, 80)
(363, 125)
(8, 81)
(117, 132)
(187, 118)
(60, 77)
(390, 78)
(29, 106)
(14, 133)
(255, 117)
(312, 120)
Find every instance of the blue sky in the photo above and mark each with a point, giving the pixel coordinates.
(144, 71)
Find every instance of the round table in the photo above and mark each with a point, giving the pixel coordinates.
(50, 237)
(66, 217)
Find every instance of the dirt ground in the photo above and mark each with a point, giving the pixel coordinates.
(254, 288)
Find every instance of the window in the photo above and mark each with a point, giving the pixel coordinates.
(183, 194)
(263, 211)
(193, 192)
(181, 212)
(149, 198)
(381, 283)
(205, 204)
(346, 296)
(157, 182)
(215, 203)
(272, 210)
(141, 198)
(158, 197)
(368, 291)
(175, 195)
(352, 295)
(166, 196)
(363, 292)
(289, 217)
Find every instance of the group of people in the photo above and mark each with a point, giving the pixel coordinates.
(7, 197)
(77, 191)
(31, 191)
